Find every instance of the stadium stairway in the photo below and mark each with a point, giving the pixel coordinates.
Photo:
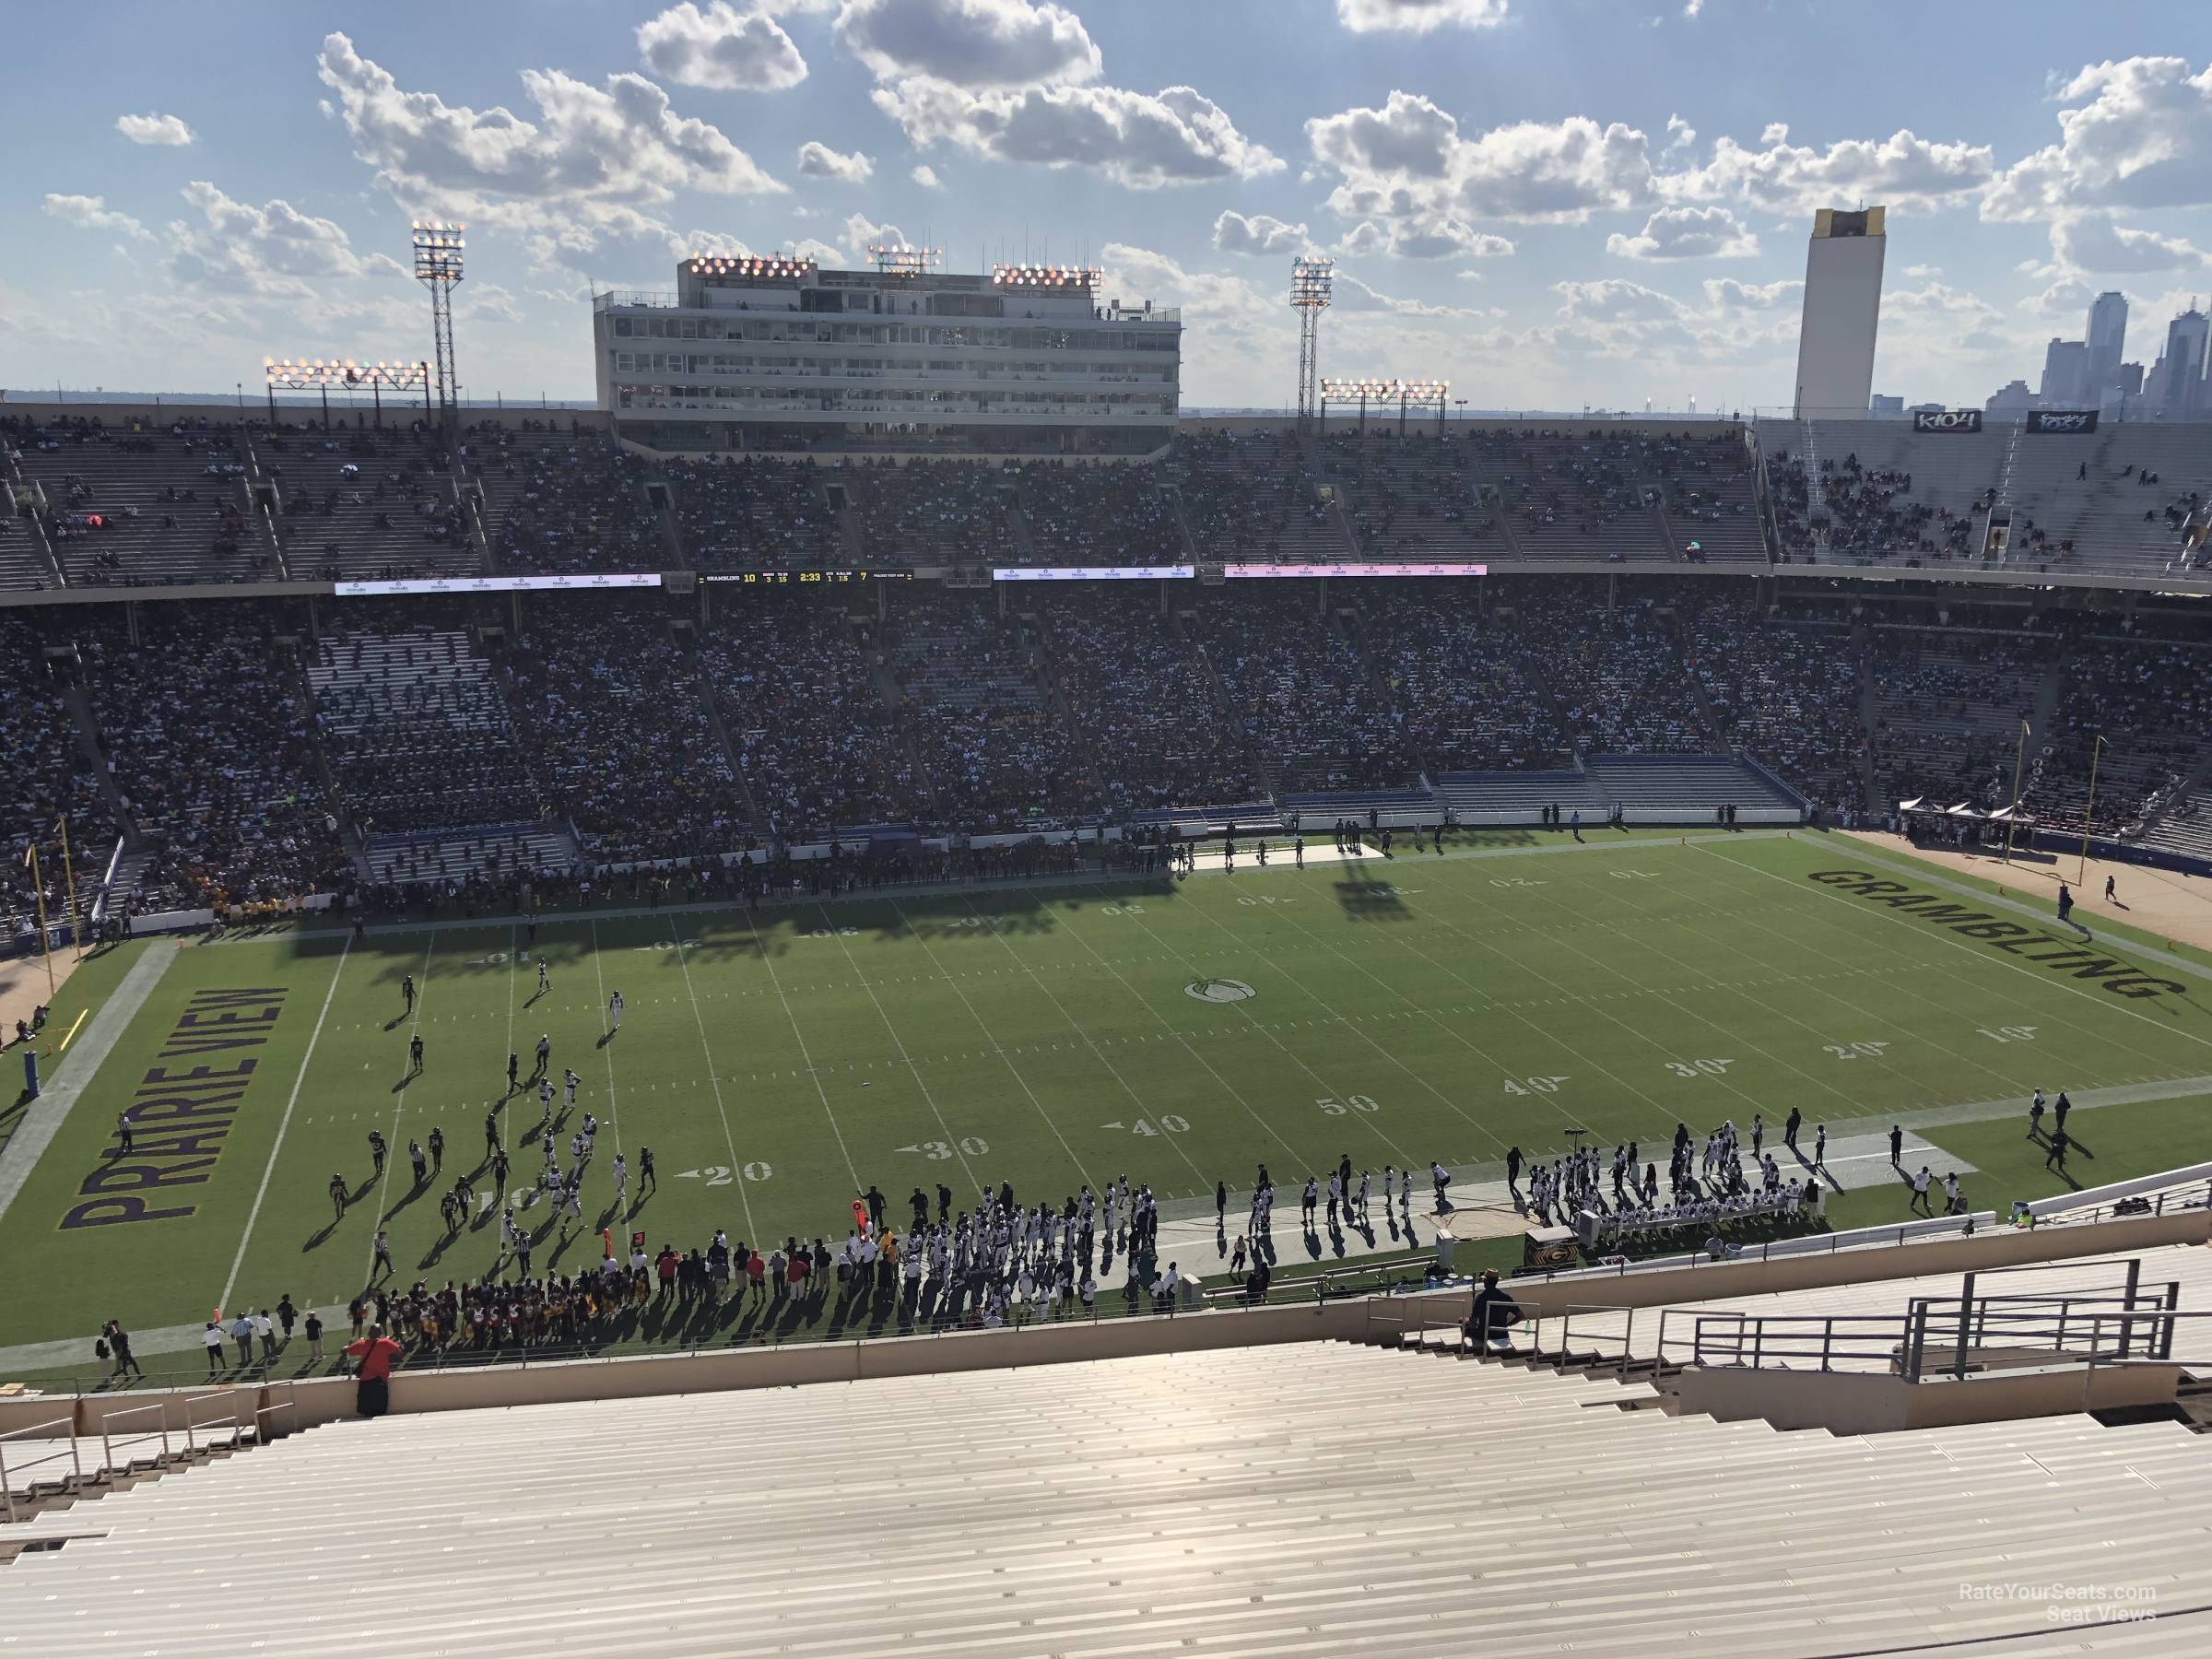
(1260, 1501)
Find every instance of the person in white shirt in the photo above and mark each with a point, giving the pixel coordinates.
(621, 1174)
(614, 1013)
(569, 1080)
(212, 1338)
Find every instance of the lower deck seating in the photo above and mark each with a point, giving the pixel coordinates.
(1309, 1499)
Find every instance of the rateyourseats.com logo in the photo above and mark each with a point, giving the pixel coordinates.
(1218, 990)
(2063, 1604)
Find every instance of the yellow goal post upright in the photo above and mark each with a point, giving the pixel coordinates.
(2081, 870)
(2012, 815)
(76, 927)
(38, 890)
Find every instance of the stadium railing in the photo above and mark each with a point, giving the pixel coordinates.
(55, 1429)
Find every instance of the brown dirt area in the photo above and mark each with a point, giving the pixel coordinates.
(2161, 902)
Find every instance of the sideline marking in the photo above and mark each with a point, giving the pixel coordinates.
(282, 1123)
(42, 1118)
(82, 1014)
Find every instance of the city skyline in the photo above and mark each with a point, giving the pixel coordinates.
(1552, 206)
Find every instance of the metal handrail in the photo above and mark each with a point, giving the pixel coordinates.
(7, 1484)
(158, 1410)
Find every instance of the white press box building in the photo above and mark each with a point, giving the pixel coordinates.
(777, 354)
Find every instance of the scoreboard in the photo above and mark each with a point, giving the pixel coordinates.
(802, 578)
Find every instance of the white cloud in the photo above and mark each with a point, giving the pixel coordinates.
(1258, 233)
(154, 129)
(1408, 157)
(1690, 8)
(974, 44)
(272, 250)
(863, 233)
(721, 48)
(1424, 236)
(1418, 16)
(1140, 140)
(1688, 233)
(1923, 270)
(926, 176)
(2092, 241)
(1726, 294)
(1613, 299)
(2142, 140)
(821, 253)
(1680, 135)
(1904, 172)
(594, 163)
(91, 212)
(819, 161)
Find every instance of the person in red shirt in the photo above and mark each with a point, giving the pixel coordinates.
(372, 1357)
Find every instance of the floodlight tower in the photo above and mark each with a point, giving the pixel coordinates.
(298, 374)
(1311, 283)
(438, 268)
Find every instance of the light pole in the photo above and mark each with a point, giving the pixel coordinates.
(438, 258)
(1312, 284)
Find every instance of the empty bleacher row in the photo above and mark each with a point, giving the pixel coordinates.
(2115, 501)
(1304, 1498)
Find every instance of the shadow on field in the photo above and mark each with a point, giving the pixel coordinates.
(1370, 896)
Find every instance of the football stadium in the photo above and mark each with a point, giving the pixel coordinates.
(1130, 1023)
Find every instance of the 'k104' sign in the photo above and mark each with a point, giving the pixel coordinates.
(1947, 420)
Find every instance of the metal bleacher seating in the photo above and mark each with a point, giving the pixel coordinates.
(151, 507)
(418, 734)
(1310, 1498)
(1686, 782)
(1412, 498)
(932, 512)
(755, 513)
(2079, 504)
(1254, 496)
(1950, 706)
(1099, 512)
(365, 504)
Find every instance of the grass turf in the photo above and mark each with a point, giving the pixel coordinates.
(1427, 1008)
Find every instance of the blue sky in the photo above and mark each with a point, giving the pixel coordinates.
(1552, 203)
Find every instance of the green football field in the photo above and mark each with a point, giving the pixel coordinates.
(1423, 1009)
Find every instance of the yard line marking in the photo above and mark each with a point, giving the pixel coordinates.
(606, 1046)
(383, 1183)
(1654, 916)
(1189, 1047)
(1271, 961)
(1556, 937)
(729, 1141)
(1949, 1011)
(762, 946)
(284, 1123)
(999, 934)
(500, 1118)
(2048, 981)
(951, 1139)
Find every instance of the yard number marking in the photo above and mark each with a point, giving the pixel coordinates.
(1534, 1085)
(2009, 1033)
(1694, 1068)
(1855, 1051)
(1334, 1108)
